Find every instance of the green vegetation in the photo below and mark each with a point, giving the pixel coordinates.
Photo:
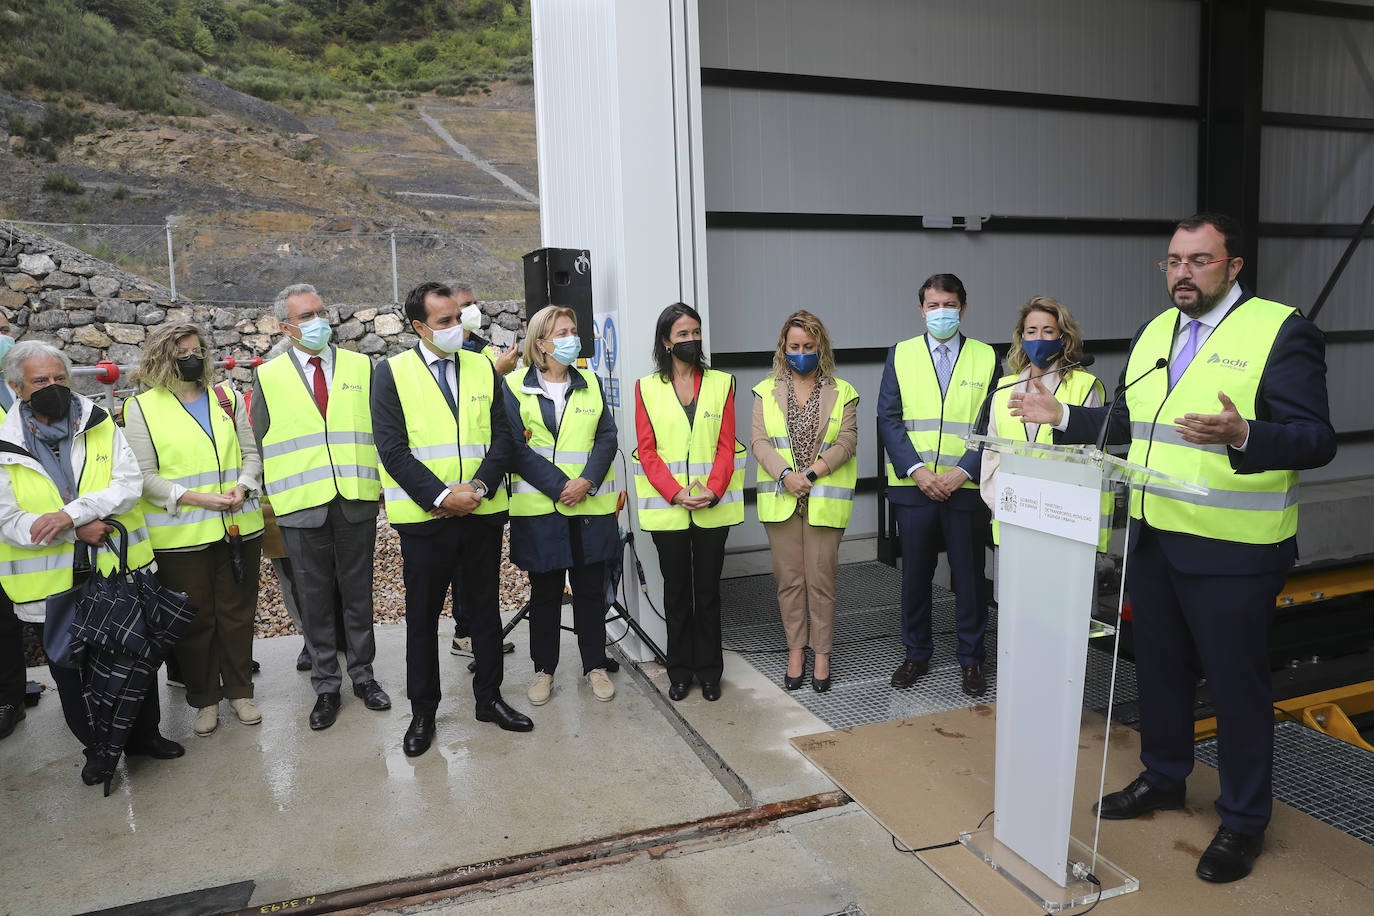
(62, 184)
(130, 53)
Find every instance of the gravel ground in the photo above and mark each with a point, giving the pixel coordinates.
(390, 594)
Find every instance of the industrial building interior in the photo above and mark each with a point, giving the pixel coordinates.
(832, 156)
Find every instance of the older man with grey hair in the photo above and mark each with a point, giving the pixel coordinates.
(66, 467)
(313, 421)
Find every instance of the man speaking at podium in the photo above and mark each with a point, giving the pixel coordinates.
(1231, 388)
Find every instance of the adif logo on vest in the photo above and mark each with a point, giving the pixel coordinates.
(345, 386)
(710, 416)
(1215, 359)
(585, 410)
(480, 397)
(967, 384)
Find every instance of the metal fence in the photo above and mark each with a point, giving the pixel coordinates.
(239, 265)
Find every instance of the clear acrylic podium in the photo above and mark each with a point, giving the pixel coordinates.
(1049, 508)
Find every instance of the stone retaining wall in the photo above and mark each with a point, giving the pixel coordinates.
(90, 308)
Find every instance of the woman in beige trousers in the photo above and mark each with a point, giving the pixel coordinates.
(805, 432)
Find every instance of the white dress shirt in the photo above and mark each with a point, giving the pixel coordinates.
(303, 358)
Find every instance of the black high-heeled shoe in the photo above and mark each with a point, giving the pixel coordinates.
(795, 683)
(820, 684)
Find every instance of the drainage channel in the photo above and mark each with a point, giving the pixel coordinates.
(495, 874)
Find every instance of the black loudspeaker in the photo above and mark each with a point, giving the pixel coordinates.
(562, 276)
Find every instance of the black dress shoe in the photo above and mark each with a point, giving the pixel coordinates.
(794, 683)
(1230, 856)
(303, 660)
(1136, 799)
(907, 673)
(11, 714)
(502, 714)
(710, 690)
(255, 665)
(325, 712)
(975, 685)
(820, 684)
(372, 695)
(678, 690)
(419, 734)
(157, 747)
(90, 773)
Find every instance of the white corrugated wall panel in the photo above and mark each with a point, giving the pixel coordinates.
(864, 284)
(1318, 65)
(1293, 271)
(1316, 176)
(1143, 50)
(779, 151)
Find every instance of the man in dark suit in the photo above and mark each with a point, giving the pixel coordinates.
(1241, 403)
(932, 389)
(444, 446)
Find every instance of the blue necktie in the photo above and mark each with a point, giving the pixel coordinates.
(1185, 356)
(441, 370)
(943, 369)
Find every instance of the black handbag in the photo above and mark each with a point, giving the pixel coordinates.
(62, 609)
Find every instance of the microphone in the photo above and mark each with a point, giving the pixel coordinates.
(1086, 360)
(1121, 392)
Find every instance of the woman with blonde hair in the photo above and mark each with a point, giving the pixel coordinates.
(1045, 341)
(562, 497)
(804, 435)
(201, 472)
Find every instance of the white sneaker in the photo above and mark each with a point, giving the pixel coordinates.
(461, 645)
(602, 688)
(248, 713)
(207, 720)
(541, 689)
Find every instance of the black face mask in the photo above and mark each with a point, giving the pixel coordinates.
(53, 402)
(689, 351)
(190, 368)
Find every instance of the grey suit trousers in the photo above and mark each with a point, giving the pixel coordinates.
(336, 554)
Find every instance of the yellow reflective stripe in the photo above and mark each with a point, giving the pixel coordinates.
(655, 502)
(1249, 500)
(207, 478)
(922, 426)
(192, 516)
(314, 440)
(780, 442)
(519, 486)
(1168, 434)
(448, 450)
(828, 492)
(37, 564)
(325, 473)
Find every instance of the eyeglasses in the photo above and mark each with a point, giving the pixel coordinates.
(198, 353)
(309, 316)
(1169, 265)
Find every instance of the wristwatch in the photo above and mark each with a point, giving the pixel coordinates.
(811, 474)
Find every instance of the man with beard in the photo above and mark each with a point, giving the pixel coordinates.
(1204, 572)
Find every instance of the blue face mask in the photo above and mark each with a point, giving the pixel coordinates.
(566, 349)
(6, 341)
(803, 363)
(942, 323)
(315, 334)
(1043, 352)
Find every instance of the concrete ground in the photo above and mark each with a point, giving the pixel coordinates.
(298, 813)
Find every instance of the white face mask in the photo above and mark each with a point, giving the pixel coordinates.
(447, 340)
(471, 318)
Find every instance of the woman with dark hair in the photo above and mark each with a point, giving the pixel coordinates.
(804, 434)
(1046, 338)
(201, 470)
(689, 489)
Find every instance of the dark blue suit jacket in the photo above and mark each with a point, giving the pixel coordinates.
(1291, 431)
(419, 482)
(902, 454)
(541, 543)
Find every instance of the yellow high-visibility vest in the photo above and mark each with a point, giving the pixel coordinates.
(310, 459)
(34, 573)
(938, 426)
(570, 450)
(200, 461)
(1074, 388)
(1257, 508)
(831, 500)
(452, 448)
(689, 450)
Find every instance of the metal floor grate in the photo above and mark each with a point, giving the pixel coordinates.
(1320, 776)
(1314, 773)
(868, 648)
